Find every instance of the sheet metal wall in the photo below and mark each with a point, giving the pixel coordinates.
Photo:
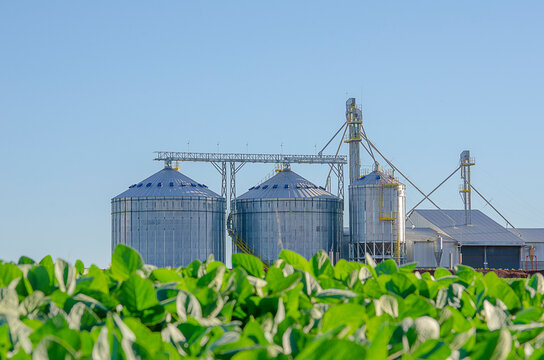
(422, 253)
(303, 225)
(170, 231)
(498, 257)
(366, 228)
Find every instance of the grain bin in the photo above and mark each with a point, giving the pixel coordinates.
(170, 219)
(377, 217)
(288, 212)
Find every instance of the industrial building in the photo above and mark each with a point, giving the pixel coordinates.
(533, 258)
(173, 220)
(441, 238)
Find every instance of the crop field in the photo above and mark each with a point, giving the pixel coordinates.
(296, 309)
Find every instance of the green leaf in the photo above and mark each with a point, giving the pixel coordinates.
(32, 304)
(249, 263)
(53, 325)
(494, 345)
(416, 306)
(39, 279)
(149, 343)
(527, 316)
(5, 342)
(494, 316)
(441, 272)
(277, 282)
(408, 268)
(25, 260)
(378, 347)
(332, 349)
(400, 284)
(348, 314)
(66, 276)
(165, 275)
(427, 328)
(124, 262)
(465, 273)
(310, 284)
(80, 267)
(213, 279)
(52, 347)
(255, 333)
(335, 295)
(387, 304)
(252, 354)
(343, 268)
(498, 288)
(537, 282)
(386, 267)
(99, 280)
(432, 349)
(188, 305)
(81, 317)
(370, 261)
(295, 260)
(49, 265)
(138, 294)
(8, 273)
(321, 265)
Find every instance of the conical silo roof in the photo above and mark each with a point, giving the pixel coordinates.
(168, 183)
(375, 178)
(287, 184)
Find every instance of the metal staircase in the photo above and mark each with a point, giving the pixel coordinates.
(241, 243)
(390, 217)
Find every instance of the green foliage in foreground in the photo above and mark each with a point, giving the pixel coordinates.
(298, 309)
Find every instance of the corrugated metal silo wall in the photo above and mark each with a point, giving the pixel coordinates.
(170, 231)
(303, 225)
(365, 205)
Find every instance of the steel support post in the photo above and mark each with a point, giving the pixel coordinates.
(232, 196)
(232, 181)
(340, 181)
(224, 180)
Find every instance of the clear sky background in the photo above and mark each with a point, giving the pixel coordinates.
(88, 90)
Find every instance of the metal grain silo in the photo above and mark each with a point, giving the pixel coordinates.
(287, 212)
(377, 217)
(170, 219)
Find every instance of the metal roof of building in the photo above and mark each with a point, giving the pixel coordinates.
(422, 234)
(168, 183)
(482, 231)
(287, 184)
(533, 235)
(376, 177)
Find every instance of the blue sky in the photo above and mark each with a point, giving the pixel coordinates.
(88, 90)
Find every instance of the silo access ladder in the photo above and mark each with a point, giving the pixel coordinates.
(239, 242)
(390, 216)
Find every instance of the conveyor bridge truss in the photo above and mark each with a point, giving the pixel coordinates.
(237, 160)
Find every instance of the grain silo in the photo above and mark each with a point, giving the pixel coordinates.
(170, 219)
(287, 212)
(377, 217)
